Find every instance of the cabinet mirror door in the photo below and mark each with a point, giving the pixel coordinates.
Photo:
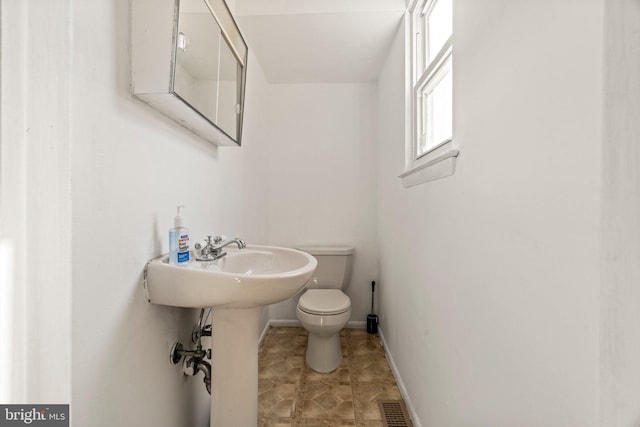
(210, 64)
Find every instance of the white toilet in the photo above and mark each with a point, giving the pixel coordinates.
(323, 309)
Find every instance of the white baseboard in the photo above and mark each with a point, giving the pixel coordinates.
(284, 322)
(263, 334)
(401, 386)
(357, 324)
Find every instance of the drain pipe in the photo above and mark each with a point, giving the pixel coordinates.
(193, 361)
(196, 364)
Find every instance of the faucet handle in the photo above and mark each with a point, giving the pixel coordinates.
(216, 240)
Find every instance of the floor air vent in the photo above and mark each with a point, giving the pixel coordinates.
(394, 413)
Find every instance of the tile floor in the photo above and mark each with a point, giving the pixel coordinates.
(291, 394)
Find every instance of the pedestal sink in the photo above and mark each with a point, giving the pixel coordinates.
(236, 287)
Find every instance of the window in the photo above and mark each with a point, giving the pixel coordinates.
(431, 82)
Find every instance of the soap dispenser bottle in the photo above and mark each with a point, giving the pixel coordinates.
(178, 240)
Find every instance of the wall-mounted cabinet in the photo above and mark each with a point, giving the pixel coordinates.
(189, 61)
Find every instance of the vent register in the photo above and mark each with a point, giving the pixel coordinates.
(394, 413)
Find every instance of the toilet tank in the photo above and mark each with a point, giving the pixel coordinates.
(334, 266)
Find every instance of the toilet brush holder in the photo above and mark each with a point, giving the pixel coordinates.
(372, 323)
(372, 319)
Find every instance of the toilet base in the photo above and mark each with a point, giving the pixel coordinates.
(324, 353)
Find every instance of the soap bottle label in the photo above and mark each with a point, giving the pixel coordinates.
(183, 248)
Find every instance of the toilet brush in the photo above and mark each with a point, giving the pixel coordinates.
(372, 319)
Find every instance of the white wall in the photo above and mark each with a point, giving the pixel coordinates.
(490, 278)
(35, 210)
(322, 177)
(130, 167)
(620, 350)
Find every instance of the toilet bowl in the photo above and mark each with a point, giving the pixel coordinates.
(324, 310)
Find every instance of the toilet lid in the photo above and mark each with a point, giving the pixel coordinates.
(324, 301)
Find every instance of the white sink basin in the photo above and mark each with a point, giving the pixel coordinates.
(244, 278)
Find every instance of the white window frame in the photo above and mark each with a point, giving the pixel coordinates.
(425, 166)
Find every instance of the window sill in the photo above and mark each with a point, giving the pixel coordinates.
(438, 167)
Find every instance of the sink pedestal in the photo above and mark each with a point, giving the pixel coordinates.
(234, 367)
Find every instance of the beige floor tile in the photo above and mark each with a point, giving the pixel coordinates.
(323, 422)
(340, 375)
(370, 423)
(276, 400)
(276, 423)
(361, 343)
(344, 345)
(328, 400)
(366, 395)
(276, 367)
(370, 369)
(284, 343)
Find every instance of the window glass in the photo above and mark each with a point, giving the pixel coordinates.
(436, 110)
(439, 19)
(432, 92)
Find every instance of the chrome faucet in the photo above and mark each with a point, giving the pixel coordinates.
(212, 251)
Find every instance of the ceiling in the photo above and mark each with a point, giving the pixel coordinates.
(319, 41)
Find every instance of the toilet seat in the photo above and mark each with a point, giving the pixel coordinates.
(324, 302)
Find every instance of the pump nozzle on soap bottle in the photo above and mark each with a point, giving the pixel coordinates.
(178, 240)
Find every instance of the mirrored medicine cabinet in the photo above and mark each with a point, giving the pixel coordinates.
(189, 61)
